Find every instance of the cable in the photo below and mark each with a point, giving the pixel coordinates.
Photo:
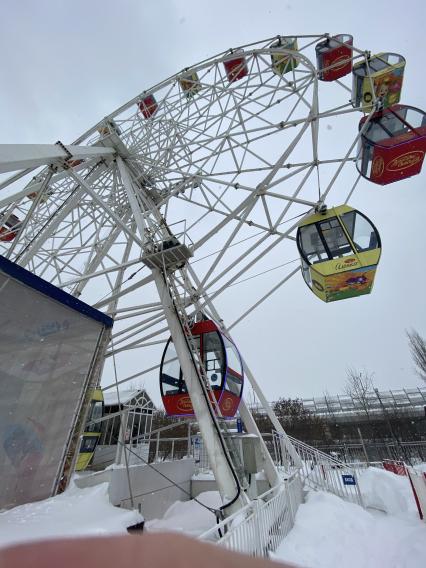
(246, 239)
(205, 294)
(262, 273)
(214, 511)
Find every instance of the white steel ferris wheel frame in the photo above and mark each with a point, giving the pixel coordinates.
(229, 171)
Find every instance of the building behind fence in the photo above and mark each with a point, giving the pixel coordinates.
(379, 425)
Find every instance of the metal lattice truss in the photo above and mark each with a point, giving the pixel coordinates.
(229, 170)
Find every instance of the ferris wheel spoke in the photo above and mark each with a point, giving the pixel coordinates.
(294, 173)
(138, 343)
(63, 253)
(294, 198)
(131, 377)
(131, 330)
(92, 264)
(49, 216)
(249, 264)
(263, 298)
(99, 201)
(135, 313)
(352, 190)
(227, 243)
(88, 234)
(223, 287)
(124, 291)
(37, 242)
(347, 156)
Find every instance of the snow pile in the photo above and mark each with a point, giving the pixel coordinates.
(421, 467)
(331, 533)
(189, 516)
(76, 512)
(388, 492)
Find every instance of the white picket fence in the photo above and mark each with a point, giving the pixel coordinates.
(260, 526)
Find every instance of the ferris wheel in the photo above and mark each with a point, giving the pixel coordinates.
(219, 174)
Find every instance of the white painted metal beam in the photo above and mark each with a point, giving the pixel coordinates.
(15, 157)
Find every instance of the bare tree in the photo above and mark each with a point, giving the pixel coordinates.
(418, 351)
(298, 421)
(358, 384)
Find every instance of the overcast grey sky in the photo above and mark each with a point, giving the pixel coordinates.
(66, 65)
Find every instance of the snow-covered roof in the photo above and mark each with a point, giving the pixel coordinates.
(111, 397)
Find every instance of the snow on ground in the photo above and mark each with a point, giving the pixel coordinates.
(331, 533)
(421, 467)
(76, 512)
(388, 492)
(188, 517)
(328, 532)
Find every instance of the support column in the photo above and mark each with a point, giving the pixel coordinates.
(227, 483)
(220, 461)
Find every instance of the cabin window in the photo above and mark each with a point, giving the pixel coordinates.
(96, 411)
(171, 376)
(233, 359)
(88, 444)
(213, 358)
(360, 230)
(306, 273)
(335, 238)
(311, 244)
(233, 384)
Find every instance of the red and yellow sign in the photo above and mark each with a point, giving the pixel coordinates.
(378, 167)
(402, 161)
(405, 161)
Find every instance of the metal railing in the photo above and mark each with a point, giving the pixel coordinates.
(130, 426)
(260, 526)
(318, 470)
(370, 452)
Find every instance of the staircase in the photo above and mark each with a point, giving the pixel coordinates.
(318, 470)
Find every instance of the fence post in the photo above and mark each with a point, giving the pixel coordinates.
(290, 500)
(121, 437)
(363, 446)
(189, 441)
(157, 447)
(258, 532)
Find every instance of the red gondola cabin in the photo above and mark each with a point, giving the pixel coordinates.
(223, 367)
(9, 229)
(334, 57)
(393, 145)
(148, 106)
(236, 68)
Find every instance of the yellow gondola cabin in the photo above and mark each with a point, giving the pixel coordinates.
(92, 431)
(379, 76)
(190, 84)
(284, 63)
(340, 250)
